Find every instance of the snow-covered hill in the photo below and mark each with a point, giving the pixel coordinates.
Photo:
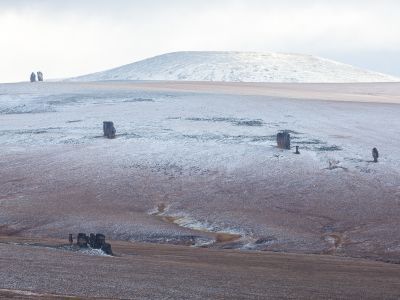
(239, 66)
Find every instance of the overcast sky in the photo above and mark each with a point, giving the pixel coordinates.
(68, 38)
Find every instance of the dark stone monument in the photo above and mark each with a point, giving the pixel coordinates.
(82, 240)
(92, 240)
(283, 140)
(100, 240)
(375, 154)
(97, 241)
(40, 76)
(109, 129)
(33, 77)
(107, 249)
(297, 150)
(70, 239)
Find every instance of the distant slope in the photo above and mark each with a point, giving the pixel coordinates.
(239, 66)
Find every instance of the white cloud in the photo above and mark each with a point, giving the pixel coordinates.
(66, 38)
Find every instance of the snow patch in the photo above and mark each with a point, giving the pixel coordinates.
(93, 252)
(191, 223)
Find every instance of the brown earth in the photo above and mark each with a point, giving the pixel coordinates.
(150, 271)
(348, 92)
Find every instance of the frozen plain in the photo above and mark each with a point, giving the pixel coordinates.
(195, 160)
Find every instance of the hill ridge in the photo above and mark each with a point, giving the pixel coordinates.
(236, 66)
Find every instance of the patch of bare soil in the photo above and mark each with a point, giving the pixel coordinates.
(219, 237)
(335, 241)
(226, 237)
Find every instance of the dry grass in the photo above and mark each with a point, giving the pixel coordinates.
(226, 237)
(354, 92)
(175, 272)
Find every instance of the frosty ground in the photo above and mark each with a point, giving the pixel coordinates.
(196, 164)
